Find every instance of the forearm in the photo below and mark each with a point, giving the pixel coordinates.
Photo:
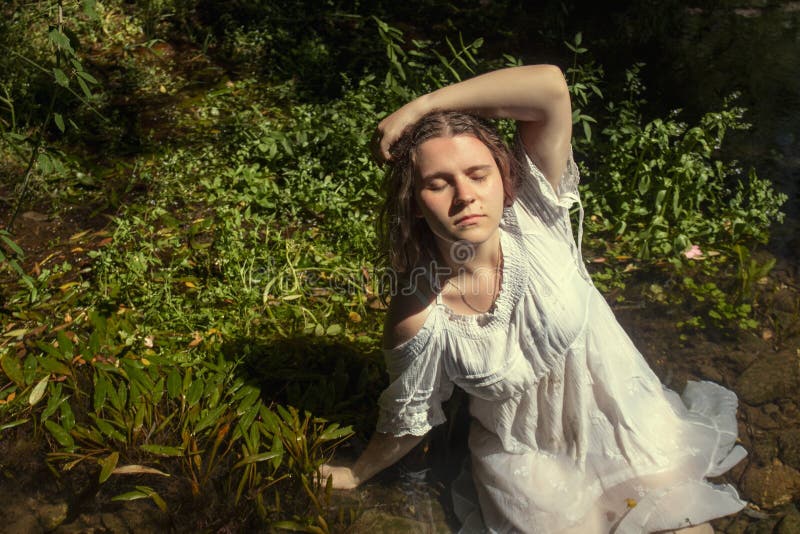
(528, 93)
(382, 451)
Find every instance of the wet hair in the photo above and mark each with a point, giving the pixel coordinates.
(406, 238)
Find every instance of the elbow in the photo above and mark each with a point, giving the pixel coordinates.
(551, 79)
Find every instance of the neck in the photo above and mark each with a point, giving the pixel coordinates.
(476, 256)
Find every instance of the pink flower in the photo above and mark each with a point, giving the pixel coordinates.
(693, 252)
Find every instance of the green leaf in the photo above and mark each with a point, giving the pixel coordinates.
(107, 466)
(101, 387)
(67, 416)
(13, 246)
(61, 78)
(59, 39)
(195, 392)
(130, 496)
(12, 424)
(173, 384)
(44, 163)
(88, 77)
(54, 366)
(62, 436)
(59, 120)
(12, 369)
(65, 345)
(210, 418)
(38, 391)
(89, 9)
(163, 450)
(257, 458)
(150, 492)
(334, 330)
(84, 87)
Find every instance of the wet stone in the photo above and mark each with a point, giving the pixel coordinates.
(789, 444)
(770, 486)
(790, 524)
(764, 447)
(765, 526)
(769, 379)
(52, 515)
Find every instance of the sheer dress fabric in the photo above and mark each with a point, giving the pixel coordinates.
(571, 430)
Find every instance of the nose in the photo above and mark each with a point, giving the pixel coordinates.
(464, 192)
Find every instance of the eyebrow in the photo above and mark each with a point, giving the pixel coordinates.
(445, 175)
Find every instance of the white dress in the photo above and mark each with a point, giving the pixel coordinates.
(571, 430)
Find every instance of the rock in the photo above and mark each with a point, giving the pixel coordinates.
(789, 444)
(785, 300)
(52, 515)
(770, 378)
(790, 524)
(23, 524)
(772, 485)
(114, 523)
(764, 447)
(759, 419)
(765, 526)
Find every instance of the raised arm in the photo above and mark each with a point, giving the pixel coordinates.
(382, 451)
(536, 96)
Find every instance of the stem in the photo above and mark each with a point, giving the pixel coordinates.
(40, 135)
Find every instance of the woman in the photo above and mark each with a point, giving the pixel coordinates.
(571, 431)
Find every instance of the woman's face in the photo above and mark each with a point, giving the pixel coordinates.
(458, 189)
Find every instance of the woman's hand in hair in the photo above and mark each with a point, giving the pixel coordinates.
(391, 128)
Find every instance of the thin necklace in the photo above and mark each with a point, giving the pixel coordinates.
(498, 280)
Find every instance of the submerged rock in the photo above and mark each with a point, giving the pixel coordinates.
(772, 485)
(769, 379)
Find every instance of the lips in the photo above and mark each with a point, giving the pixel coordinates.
(468, 219)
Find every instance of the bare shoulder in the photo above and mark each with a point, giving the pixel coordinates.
(406, 315)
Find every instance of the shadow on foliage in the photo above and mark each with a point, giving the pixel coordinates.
(332, 379)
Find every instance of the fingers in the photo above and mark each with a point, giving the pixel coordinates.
(380, 153)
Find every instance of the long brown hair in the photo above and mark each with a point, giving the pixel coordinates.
(405, 237)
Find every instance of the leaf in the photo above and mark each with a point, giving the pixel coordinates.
(89, 9)
(334, 330)
(12, 369)
(150, 492)
(130, 496)
(62, 436)
(173, 384)
(38, 391)
(101, 386)
(44, 163)
(59, 120)
(258, 458)
(12, 424)
(65, 345)
(195, 392)
(107, 466)
(138, 470)
(88, 77)
(13, 246)
(60, 40)
(84, 87)
(54, 366)
(163, 450)
(61, 78)
(19, 332)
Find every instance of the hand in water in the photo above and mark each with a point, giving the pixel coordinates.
(343, 477)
